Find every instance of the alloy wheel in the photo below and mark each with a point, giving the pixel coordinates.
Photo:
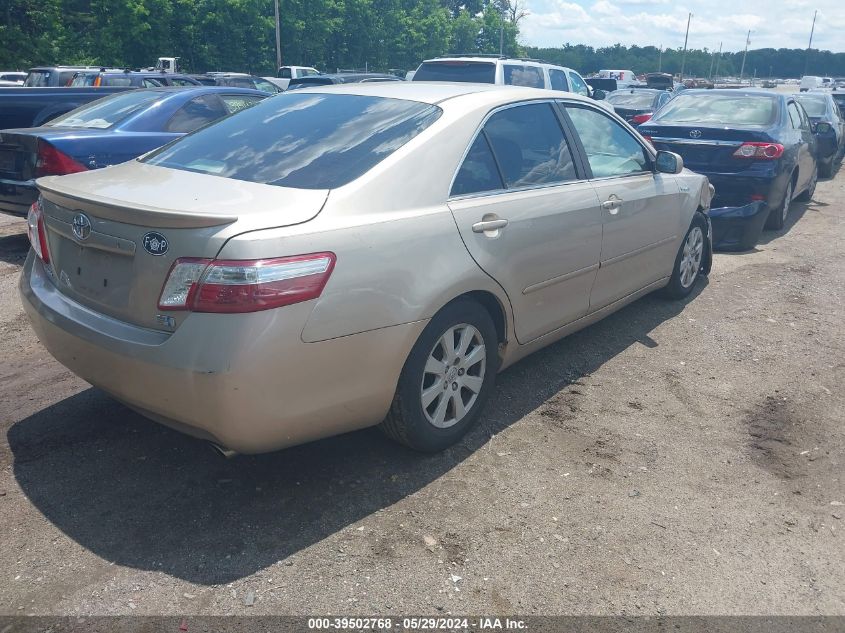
(691, 258)
(453, 375)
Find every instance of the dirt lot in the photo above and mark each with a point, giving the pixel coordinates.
(676, 458)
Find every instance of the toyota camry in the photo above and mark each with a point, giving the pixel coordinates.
(344, 257)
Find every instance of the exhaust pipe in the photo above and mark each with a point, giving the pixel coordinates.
(225, 452)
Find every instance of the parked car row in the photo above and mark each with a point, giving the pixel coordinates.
(337, 257)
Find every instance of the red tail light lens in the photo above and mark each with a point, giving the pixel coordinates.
(52, 162)
(36, 232)
(759, 151)
(640, 118)
(236, 286)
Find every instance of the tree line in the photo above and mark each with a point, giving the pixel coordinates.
(764, 62)
(330, 35)
(240, 34)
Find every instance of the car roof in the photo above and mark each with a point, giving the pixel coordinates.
(493, 59)
(435, 92)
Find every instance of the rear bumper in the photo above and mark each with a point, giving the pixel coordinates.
(247, 382)
(17, 196)
(738, 228)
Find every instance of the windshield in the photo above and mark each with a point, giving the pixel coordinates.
(301, 140)
(719, 109)
(457, 70)
(106, 112)
(634, 100)
(266, 86)
(815, 107)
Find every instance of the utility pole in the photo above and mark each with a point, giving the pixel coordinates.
(810, 45)
(278, 38)
(684, 58)
(501, 33)
(744, 55)
(660, 60)
(719, 59)
(713, 59)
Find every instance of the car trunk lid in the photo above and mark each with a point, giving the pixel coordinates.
(113, 234)
(702, 148)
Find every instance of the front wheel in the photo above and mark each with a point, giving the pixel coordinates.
(688, 260)
(446, 380)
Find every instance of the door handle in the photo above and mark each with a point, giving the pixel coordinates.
(489, 225)
(612, 204)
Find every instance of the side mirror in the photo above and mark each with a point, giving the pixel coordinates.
(669, 163)
(599, 94)
(822, 128)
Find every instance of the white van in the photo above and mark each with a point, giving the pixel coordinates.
(810, 82)
(624, 78)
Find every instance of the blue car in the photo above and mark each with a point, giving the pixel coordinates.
(756, 147)
(106, 132)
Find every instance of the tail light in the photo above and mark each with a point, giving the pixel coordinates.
(219, 285)
(763, 151)
(640, 118)
(51, 162)
(36, 232)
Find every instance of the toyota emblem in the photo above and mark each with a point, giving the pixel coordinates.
(81, 226)
(695, 134)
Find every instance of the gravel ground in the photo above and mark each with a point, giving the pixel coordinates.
(676, 458)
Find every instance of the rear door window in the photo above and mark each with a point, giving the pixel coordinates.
(479, 172)
(197, 112)
(529, 146)
(558, 80)
(37, 79)
(611, 150)
(457, 70)
(521, 75)
(301, 140)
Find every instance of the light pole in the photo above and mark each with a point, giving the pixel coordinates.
(744, 55)
(660, 60)
(278, 38)
(810, 45)
(686, 39)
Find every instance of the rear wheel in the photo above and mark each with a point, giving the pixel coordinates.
(777, 216)
(446, 380)
(688, 260)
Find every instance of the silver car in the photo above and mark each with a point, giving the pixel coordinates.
(372, 254)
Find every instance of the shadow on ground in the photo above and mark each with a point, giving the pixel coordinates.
(143, 496)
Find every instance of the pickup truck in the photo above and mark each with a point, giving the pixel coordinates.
(286, 73)
(30, 107)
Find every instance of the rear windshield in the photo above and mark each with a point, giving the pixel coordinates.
(458, 70)
(814, 107)
(631, 99)
(301, 140)
(106, 112)
(719, 109)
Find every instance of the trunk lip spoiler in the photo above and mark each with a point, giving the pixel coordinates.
(690, 141)
(131, 213)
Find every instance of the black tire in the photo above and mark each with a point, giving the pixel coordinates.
(407, 422)
(676, 289)
(777, 216)
(810, 191)
(826, 168)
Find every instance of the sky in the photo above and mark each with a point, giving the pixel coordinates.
(773, 23)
